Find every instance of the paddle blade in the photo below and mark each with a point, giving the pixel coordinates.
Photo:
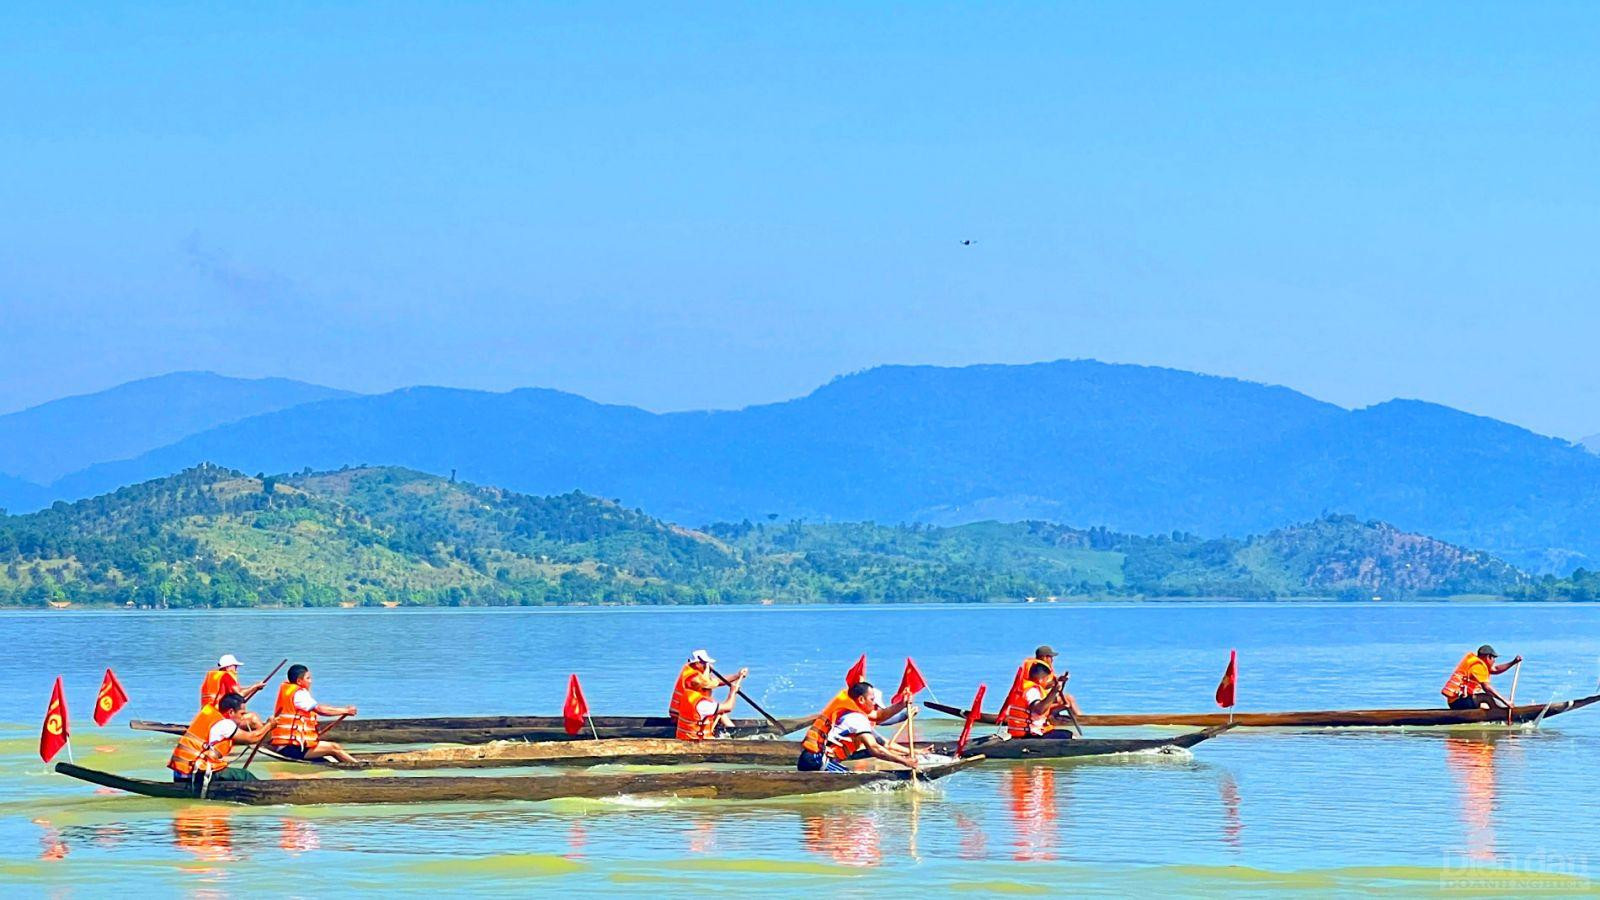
(973, 715)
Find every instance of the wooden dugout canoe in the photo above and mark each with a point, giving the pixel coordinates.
(652, 751)
(1338, 718)
(483, 729)
(1004, 747)
(742, 784)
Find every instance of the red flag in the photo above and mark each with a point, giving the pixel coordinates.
(858, 672)
(910, 683)
(111, 699)
(53, 736)
(973, 715)
(1230, 680)
(576, 709)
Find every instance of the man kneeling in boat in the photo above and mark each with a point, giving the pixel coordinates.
(224, 680)
(202, 751)
(1033, 703)
(699, 714)
(1468, 687)
(294, 721)
(1047, 655)
(845, 728)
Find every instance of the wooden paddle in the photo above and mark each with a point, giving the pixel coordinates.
(257, 747)
(1061, 685)
(753, 704)
(1511, 701)
(329, 727)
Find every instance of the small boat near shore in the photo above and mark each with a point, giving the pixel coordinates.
(483, 729)
(999, 746)
(737, 784)
(1346, 718)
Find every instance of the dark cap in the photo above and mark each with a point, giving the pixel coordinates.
(1044, 650)
(1487, 650)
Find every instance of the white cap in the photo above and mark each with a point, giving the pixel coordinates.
(228, 659)
(700, 656)
(877, 698)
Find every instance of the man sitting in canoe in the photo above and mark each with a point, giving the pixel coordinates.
(697, 669)
(1468, 687)
(699, 714)
(224, 680)
(845, 728)
(202, 751)
(1034, 701)
(294, 721)
(1046, 656)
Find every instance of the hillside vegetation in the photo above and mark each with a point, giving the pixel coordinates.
(215, 537)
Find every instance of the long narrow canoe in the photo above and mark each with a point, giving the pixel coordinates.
(1005, 747)
(738, 784)
(1339, 718)
(483, 729)
(653, 751)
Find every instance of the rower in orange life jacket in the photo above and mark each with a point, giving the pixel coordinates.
(844, 728)
(1045, 655)
(294, 720)
(224, 680)
(202, 751)
(699, 714)
(699, 664)
(1468, 687)
(1031, 707)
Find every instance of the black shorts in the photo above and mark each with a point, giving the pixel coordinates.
(290, 751)
(1476, 701)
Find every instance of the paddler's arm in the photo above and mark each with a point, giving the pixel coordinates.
(335, 710)
(1515, 661)
(733, 691)
(879, 716)
(252, 690)
(252, 735)
(889, 752)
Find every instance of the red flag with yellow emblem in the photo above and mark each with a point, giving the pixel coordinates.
(53, 736)
(111, 699)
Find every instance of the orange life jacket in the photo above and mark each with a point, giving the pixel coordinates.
(219, 683)
(685, 675)
(691, 726)
(291, 725)
(194, 747)
(1462, 682)
(1018, 719)
(1016, 687)
(816, 739)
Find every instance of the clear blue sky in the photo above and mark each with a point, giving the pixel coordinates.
(687, 205)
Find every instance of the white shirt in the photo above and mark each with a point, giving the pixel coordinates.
(224, 730)
(850, 725)
(705, 709)
(304, 702)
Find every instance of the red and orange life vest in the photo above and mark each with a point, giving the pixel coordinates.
(691, 725)
(1015, 694)
(685, 675)
(195, 748)
(1016, 716)
(289, 724)
(219, 683)
(1470, 677)
(816, 739)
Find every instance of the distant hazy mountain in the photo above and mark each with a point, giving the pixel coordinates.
(1591, 443)
(365, 536)
(44, 442)
(1136, 449)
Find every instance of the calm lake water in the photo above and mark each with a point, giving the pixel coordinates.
(1500, 811)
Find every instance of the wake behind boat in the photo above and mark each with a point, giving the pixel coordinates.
(1347, 718)
(745, 784)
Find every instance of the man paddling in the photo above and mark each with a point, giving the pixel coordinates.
(697, 669)
(224, 680)
(1032, 706)
(699, 715)
(1044, 655)
(1468, 687)
(845, 728)
(202, 751)
(295, 731)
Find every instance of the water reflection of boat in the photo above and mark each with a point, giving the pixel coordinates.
(298, 836)
(1031, 800)
(848, 838)
(1471, 762)
(204, 831)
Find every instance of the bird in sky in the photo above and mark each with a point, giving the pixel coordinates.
(968, 242)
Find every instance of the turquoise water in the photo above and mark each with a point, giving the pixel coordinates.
(1497, 811)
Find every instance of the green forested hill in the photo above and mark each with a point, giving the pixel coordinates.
(214, 537)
